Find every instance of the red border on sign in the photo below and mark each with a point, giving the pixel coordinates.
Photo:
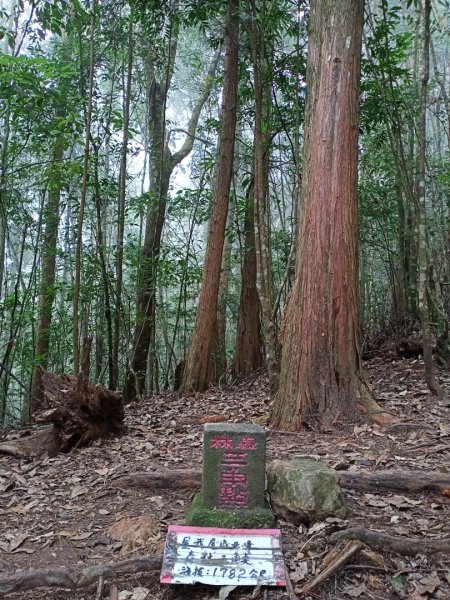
(189, 529)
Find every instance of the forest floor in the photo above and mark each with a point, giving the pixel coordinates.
(60, 510)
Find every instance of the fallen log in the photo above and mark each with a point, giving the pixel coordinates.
(374, 481)
(73, 579)
(395, 481)
(160, 479)
(396, 544)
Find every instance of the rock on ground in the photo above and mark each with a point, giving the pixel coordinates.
(305, 490)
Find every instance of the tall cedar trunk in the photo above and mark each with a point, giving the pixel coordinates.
(248, 352)
(161, 165)
(320, 358)
(47, 289)
(423, 258)
(261, 169)
(218, 358)
(262, 238)
(195, 377)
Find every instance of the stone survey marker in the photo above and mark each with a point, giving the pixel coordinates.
(223, 556)
(233, 484)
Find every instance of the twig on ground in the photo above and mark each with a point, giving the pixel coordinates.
(114, 593)
(290, 588)
(350, 549)
(101, 583)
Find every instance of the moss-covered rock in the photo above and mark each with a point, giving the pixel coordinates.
(305, 490)
(252, 518)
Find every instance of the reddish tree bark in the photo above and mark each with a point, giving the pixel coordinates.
(320, 360)
(248, 354)
(195, 377)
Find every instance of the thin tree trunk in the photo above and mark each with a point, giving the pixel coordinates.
(430, 375)
(161, 165)
(101, 248)
(79, 245)
(47, 291)
(121, 210)
(195, 377)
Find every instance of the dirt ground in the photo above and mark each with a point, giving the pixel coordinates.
(61, 511)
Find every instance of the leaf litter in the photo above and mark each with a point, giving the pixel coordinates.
(63, 511)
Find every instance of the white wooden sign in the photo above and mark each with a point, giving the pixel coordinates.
(223, 556)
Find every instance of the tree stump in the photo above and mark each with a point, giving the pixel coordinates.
(80, 412)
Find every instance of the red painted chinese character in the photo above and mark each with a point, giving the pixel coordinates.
(233, 489)
(222, 443)
(234, 459)
(247, 443)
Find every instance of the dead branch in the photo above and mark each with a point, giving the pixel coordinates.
(395, 544)
(407, 427)
(336, 563)
(74, 579)
(397, 481)
(202, 419)
(12, 450)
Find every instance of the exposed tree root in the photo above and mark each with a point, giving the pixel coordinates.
(73, 579)
(370, 406)
(395, 544)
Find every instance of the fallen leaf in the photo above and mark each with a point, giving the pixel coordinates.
(372, 501)
(77, 491)
(225, 591)
(18, 541)
(355, 591)
(139, 593)
(81, 536)
(398, 582)
(301, 571)
(316, 527)
(103, 471)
